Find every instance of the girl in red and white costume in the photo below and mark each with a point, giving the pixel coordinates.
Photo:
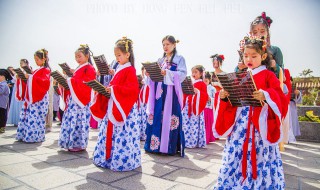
(193, 123)
(118, 146)
(75, 122)
(31, 127)
(251, 157)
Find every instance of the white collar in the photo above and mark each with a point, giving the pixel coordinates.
(258, 69)
(120, 67)
(198, 80)
(85, 64)
(37, 70)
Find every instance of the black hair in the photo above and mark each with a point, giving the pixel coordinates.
(8, 69)
(200, 68)
(86, 51)
(172, 40)
(208, 76)
(43, 54)
(125, 46)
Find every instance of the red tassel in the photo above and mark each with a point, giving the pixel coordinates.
(109, 133)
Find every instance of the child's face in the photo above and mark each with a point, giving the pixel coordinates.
(215, 63)
(2, 78)
(259, 30)
(207, 81)
(81, 58)
(39, 61)
(122, 58)
(168, 47)
(196, 74)
(252, 59)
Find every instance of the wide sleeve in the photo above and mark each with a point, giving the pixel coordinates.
(38, 85)
(99, 106)
(20, 89)
(199, 100)
(224, 117)
(181, 72)
(269, 119)
(124, 94)
(80, 92)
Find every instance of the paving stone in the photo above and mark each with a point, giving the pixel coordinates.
(25, 168)
(291, 181)
(192, 164)
(196, 178)
(194, 155)
(75, 164)
(39, 151)
(309, 184)
(13, 159)
(6, 183)
(50, 179)
(155, 169)
(85, 185)
(185, 187)
(143, 181)
(57, 156)
(164, 159)
(105, 175)
(213, 159)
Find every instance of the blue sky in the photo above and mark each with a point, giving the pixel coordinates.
(204, 27)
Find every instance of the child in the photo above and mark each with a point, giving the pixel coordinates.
(31, 127)
(143, 100)
(118, 146)
(164, 128)
(17, 100)
(251, 157)
(208, 110)
(217, 61)
(193, 123)
(4, 98)
(75, 122)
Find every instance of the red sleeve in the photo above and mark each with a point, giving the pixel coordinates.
(80, 92)
(20, 89)
(288, 84)
(124, 93)
(224, 118)
(200, 98)
(40, 84)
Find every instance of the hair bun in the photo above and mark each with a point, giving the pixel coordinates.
(177, 41)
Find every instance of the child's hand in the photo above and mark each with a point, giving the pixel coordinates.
(98, 73)
(147, 74)
(196, 90)
(26, 75)
(108, 89)
(223, 94)
(163, 72)
(258, 95)
(72, 70)
(111, 71)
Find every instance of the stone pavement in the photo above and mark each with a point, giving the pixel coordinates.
(46, 166)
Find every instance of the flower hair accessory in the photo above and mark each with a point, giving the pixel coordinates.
(264, 16)
(222, 57)
(254, 40)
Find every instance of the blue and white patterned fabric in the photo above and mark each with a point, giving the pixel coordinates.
(125, 153)
(143, 121)
(269, 165)
(32, 124)
(194, 129)
(75, 126)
